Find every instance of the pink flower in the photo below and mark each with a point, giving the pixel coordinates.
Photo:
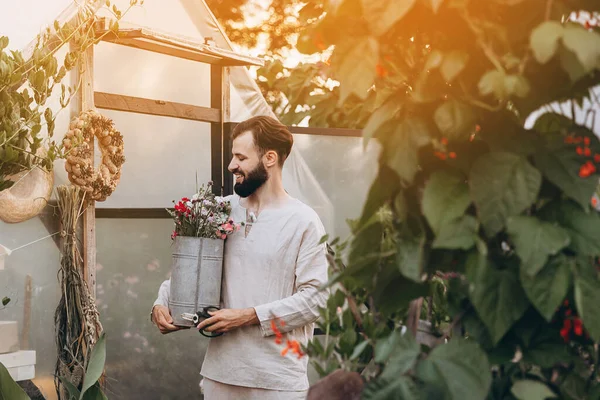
(223, 236)
(227, 227)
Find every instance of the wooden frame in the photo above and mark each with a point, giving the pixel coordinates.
(177, 46)
(117, 102)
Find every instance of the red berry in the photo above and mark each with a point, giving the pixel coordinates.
(587, 152)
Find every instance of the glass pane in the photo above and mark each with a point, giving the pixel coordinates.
(40, 261)
(134, 258)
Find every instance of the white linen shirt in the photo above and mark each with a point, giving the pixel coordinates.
(278, 269)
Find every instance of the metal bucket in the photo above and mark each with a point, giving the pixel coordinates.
(196, 271)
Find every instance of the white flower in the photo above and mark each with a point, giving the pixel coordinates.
(195, 197)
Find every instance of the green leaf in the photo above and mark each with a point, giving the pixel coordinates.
(455, 120)
(583, 228)
(535, 240)
(5, 300)
(561, 166)
(499, 299)
(460, 368)
(95, 366)
(445, 198)
(358, 350)
(516, 85)
(71, 389)
(402, 150)
(458, 234)
(587, 297)
(492, 82)
(453, 64)
(548, 288)
(95, 393)
(385, 346)
(3, 42)
(383, 14)
(357, 69)
(403, 357)
(502, 185)
(382, 190)
(531, 390)
(381, 115)
(544, 40)
(410, 251)
(9, 389)
(584, 43)
(402, 387)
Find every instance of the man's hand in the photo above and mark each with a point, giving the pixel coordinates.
(161, 316)
(225, 320)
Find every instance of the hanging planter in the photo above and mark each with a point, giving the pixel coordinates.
(28, 196)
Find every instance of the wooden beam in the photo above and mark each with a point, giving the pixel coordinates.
(109, 101)
(342, 132)
(325, 131)
(177, 46)
(226, 132)
(216, 130)
(132, 213)
(84, 100)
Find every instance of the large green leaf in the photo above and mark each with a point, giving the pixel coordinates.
(357, 69)
(561, 166)
(72, 390)
(584, 43)
(452, 65)
(398, 388)
(403, 148)
(458, 234)
(455, 120)
(544, 40)
(548, 288)
(410, 251)
(502, 185)
(379, 117)
(383, 14)
(531, 390)
(587, 297)
(382, 191)
(384, 347)
(535, 240)
(460, 368)
(403, 357)
(445, 198)
(583, 228)
(9, 390)
(499, 299)
(95, 393)
(95, 367)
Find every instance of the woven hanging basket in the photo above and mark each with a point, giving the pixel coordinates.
(27, 197)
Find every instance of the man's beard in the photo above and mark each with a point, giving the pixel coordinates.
(252, 181)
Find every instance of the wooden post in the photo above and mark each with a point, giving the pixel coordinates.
(227, 176)
(84, 100)
(216, 129)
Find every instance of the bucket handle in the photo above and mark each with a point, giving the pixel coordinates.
(203, 313)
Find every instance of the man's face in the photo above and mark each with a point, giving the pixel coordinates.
(247, 166)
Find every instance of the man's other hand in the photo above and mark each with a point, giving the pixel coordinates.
(161, 316)
(225, 320)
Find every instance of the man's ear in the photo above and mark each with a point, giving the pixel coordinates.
(271, 158)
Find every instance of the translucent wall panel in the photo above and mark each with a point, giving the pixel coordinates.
(140, 73)
(163, 156)
(134, 258)
(41, 260)
(343, 170)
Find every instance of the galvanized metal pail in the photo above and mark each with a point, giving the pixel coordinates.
(196, 271)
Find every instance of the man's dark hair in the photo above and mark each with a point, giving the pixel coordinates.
(268, 134)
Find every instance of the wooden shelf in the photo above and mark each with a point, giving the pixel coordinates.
(177, 46)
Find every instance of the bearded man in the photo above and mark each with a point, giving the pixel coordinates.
(273, 271)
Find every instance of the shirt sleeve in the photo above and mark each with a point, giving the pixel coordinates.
(302, 308)
(163, 294)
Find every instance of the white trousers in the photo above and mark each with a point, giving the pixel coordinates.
(220, 391)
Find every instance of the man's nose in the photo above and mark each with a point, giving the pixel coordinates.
(232, 166)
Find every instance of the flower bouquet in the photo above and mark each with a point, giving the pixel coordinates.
(201, 225)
